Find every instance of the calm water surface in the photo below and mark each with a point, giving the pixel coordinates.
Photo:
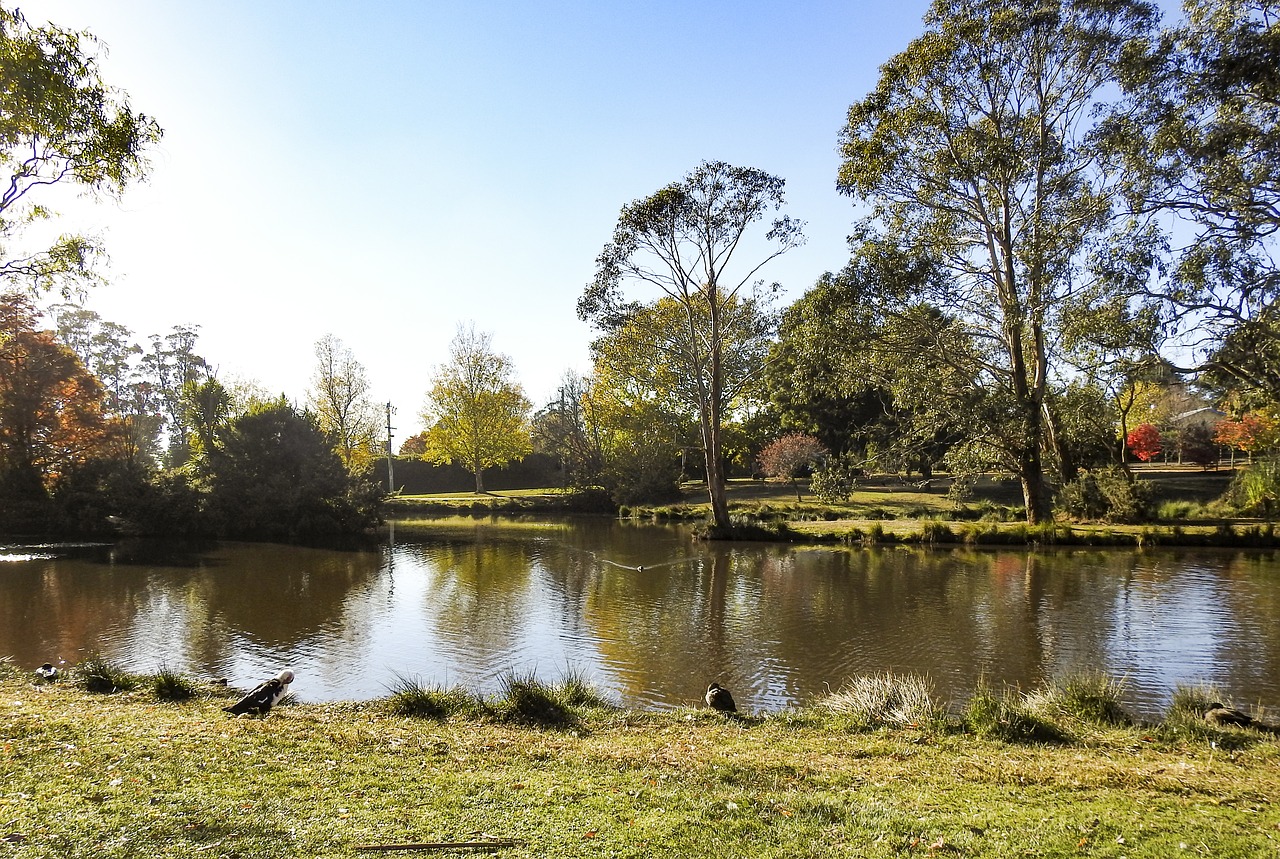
(649, 615)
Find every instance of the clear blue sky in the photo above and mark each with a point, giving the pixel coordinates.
(384, 171)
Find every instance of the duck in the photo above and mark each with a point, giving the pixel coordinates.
(263, 697)
(718, 698)
(1219, 716)
(47, 672)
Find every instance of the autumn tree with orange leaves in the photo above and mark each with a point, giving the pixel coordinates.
(51, 408)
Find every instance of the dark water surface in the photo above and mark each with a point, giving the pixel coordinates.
(647, 614)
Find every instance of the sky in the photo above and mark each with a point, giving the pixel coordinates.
(387, 171)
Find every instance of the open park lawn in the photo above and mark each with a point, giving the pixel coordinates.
(129, 775)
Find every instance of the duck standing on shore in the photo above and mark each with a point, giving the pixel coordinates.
(264, 697)
(718, 698)
(1220, 716)
(47, 672)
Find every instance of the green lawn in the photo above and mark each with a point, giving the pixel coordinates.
(129, 776)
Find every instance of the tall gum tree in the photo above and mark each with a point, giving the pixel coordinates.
(975, 151)
(1203, 151)
(683, 244)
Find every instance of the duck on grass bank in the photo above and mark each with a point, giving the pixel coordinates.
(1221, 716)
(264, 697)
(718, 698)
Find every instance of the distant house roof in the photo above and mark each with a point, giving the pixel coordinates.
(1204, 415)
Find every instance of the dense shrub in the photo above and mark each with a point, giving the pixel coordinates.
(834, 481)
(1108, 494)
(1256, 490)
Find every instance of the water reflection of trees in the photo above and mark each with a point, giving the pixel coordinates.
(774, 623)
(187, 616)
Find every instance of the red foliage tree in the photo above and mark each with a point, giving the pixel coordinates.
(414, 445)
(1144, 442)
(1253, 432)
(789, 456)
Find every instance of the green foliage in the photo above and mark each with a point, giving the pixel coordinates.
(992, 109)
(276, 477)
(834, 481)
(710, 329)
(475, 414)
(1256, 490)
(1204, 143)
(339, 397)
(60, 124)
(1108, 494)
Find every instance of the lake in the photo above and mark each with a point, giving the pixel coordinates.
(647, 613)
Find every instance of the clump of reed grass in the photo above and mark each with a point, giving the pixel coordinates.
(1006, 716)
(1089, 697)
(933, 531)
(409, 697)
(170, 685)
(99, 674)
(576, 690)
(885, 700)
(526, 700)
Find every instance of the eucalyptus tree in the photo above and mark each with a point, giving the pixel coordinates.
(682, 244)
(166, 371)
(339, 396)
(105, 348)
(976, 152)
(476, 414)
(60, 124)
(1204, 148)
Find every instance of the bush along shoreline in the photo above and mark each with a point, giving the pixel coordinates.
(879, 767)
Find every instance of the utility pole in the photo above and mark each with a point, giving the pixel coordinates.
(391, 468)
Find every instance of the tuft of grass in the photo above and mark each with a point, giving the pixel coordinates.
(1089, 697)
(101, 675)
(576, 690)
(526, 700)
(1007, 717)
(885, 700)
(933, 531)
(409, 697)
(169, 685)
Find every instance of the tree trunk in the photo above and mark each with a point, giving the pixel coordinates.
(479, 470)
(715, 478)
(1067, 465)
(1035, 490)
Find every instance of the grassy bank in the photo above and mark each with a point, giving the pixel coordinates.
(132, 774)
(888, 511)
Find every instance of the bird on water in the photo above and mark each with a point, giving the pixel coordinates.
(263, 697)
(718, 698)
